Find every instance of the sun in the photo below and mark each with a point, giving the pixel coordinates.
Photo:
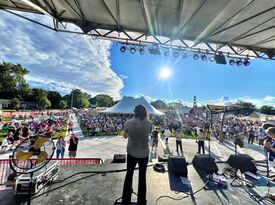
(165, 73)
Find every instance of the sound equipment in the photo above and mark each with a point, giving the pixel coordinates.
(205, 164)
(220, 59)
(242, 162)
(178, 166)
(119, 158)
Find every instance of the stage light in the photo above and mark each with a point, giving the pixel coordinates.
(122, 49)
(231, 62)
(196, 56)
(184, 55)
(167, 53)
(246, 62)
(141, 51)
(132, 50)
(239, 62)
(211, 58)
(203, 57)
(176, 54)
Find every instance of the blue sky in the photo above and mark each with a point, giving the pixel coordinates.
(61, 62)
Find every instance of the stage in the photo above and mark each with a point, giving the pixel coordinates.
(105, 189)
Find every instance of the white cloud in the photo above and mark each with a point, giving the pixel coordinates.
(59, 60)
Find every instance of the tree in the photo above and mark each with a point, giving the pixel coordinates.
(55, 98)
(15, 103)
(44, 102)
(269, 110)
(102, 100)
(159, 104)
(80, 99)
(62, 104)
(246, 108)
(12, 82)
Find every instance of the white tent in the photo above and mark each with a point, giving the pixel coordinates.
(127, 105)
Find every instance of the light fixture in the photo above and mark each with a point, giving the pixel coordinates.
(122, 49)
(220, 59)
(167, 53)
(246, 62)
(141, 50)
(132, 50)
(184, 55)
(176, 54)
(203, 57)
(239, 62)
(231, 62)
(196, 56)
(211, 58)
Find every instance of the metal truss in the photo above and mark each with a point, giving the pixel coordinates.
(143, 39)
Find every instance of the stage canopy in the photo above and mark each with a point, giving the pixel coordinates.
(238, 28)
(127, 105)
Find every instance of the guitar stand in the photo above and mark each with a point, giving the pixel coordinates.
(120, 203)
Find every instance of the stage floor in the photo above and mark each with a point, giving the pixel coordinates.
(104, 190)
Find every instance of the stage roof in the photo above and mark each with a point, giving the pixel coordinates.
(237, 27)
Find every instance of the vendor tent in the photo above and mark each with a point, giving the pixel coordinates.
(127, 105)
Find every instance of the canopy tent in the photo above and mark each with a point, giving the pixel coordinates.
(127, 105)
(237, 27)
(258, 116)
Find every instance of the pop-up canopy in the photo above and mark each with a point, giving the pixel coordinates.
(237, 27)
(127, 105)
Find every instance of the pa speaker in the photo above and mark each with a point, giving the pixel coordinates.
(205, 164)
(178, 166)
(119, 158)
(220, 59)
(242, 162)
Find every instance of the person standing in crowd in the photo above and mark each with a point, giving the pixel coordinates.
(155, 135)
(251, 135)
(270, 147)
(25, 132)
(261, 136)
(137, 130)
(178, 140)
(73, 145)
(166, 134)
(201, 138)
(4, 144)
(70, 129)
(60, 147)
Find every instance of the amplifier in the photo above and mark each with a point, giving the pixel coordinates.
(40, 178)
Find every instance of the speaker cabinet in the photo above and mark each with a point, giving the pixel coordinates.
(178, 166)
(205, 164)
(242, 162)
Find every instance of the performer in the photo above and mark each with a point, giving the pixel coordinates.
(155, 135)
(270, 147)
(137, 130)
(201, 138)
(178, 141)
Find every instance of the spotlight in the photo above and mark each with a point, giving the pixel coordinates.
(141, 51)
(246, 62)
(132, 50)
(167, 53)
(203, 57)
(239, 62)
(122, 49)
(196, 56)
(184, 55)
(211, 58)
(231, 62)
(176, 54)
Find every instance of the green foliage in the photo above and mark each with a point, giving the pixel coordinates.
(62, 104)
(15, 103)
(159, 104)
(269, 110)
(12, 82)
(55, 98)
(44, 102)
(102, 100)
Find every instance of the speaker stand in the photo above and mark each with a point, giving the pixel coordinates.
(119, 203)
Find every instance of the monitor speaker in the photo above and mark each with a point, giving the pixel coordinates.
(119, 158)
(205, 164)
(242, 162)
(178, 166)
